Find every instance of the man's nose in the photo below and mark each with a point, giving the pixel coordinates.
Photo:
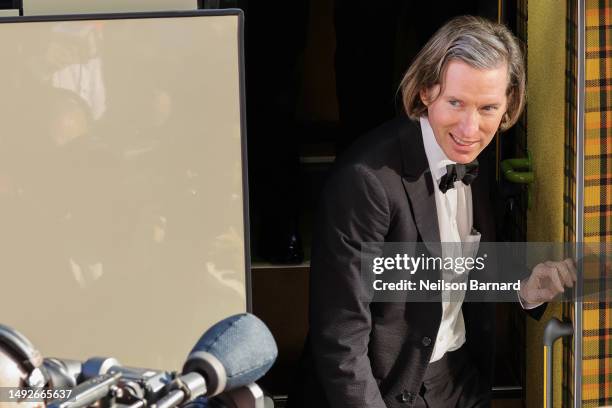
(469, 124)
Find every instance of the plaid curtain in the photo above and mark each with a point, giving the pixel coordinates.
(597, 314)
(597, 330)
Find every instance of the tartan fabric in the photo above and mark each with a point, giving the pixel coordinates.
(597, 317)
(569, 193)
(597, 327)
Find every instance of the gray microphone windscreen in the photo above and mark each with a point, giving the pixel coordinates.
(234, 352)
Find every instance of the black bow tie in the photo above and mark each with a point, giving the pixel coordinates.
(464, 172)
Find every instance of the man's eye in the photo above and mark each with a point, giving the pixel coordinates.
(490, 108)
(453, 102)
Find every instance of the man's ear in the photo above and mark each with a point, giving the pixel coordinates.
(504, 122)
(424, 94)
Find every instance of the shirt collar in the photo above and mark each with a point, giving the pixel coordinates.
(436, 157)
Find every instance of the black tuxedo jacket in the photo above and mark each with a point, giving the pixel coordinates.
(374, 355)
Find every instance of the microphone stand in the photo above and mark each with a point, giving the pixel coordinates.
(183, 389)
(89, 392)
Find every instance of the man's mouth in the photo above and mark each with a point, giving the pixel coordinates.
(462, 142)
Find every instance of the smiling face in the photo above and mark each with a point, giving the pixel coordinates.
(466, 114)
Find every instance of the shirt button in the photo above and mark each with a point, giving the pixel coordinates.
(426, 341)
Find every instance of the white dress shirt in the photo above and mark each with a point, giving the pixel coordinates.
(455, 218)
(455, 222)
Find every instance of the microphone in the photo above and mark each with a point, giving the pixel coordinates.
(51, 373)
(229, 357)
(63, 373)
(233, 353)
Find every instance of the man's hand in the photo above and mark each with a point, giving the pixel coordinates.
(547, 280)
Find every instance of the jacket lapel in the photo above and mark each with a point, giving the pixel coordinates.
(419, 187)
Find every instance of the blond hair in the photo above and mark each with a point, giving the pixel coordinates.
(478, 42)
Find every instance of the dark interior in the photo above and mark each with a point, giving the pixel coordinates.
(319, 74)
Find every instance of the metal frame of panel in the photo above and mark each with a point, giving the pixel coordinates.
(580, 99)
(63, 7)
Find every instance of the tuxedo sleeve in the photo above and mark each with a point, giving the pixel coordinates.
(353, 209)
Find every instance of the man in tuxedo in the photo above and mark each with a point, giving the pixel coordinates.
(413, 180)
